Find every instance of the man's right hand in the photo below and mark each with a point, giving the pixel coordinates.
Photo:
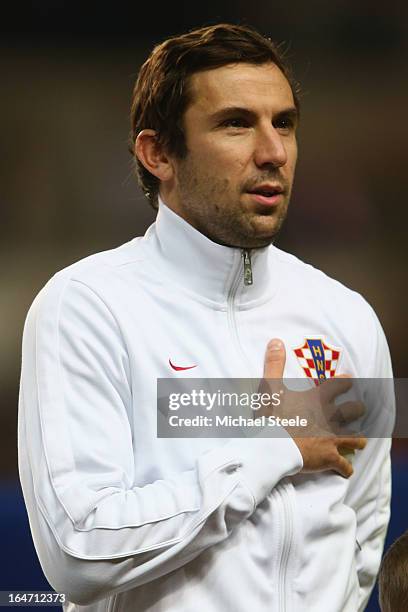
(321, 442)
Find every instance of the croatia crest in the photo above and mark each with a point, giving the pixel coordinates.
(318, 360)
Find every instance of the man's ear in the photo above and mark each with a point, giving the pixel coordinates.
(151, 154)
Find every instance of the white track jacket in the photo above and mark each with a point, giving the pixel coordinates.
(123, 520)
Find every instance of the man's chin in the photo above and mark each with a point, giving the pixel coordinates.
(264, 231)
(256, 241)
(250, 231)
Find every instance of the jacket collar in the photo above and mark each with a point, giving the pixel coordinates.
(210, 270)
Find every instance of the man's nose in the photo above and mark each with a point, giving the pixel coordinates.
(270, 148)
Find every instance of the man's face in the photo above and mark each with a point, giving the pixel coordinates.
(234, 184)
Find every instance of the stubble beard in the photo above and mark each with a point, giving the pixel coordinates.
(205, 204)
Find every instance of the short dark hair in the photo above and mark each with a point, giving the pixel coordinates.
(161, 94)
(393, 577)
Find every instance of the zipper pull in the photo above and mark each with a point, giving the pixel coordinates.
(248, 279)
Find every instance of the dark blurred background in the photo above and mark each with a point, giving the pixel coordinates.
(67, 187)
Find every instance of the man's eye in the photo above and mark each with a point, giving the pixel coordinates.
(235, 123)
(284, 124)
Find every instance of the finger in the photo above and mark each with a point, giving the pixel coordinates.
(343, 467)
(346, 452)
(333, 387)
(274, 364)
(275, 359)
(345, 413)
(357, 443)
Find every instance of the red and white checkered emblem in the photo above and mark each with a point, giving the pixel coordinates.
(319, 361)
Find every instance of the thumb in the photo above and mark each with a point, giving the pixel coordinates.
(274, 364)
(275, 359)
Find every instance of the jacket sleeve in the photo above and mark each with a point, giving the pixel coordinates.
(95, 532)
(370, 486)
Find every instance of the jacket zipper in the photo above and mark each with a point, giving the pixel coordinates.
(282, 495)
(244, 273)
(111, 606)
(287, 537)
(248, 277)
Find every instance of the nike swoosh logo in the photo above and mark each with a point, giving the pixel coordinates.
(179, 368)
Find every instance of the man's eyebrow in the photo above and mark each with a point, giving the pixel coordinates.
(232, 110)
(289, 113)
(223, 113)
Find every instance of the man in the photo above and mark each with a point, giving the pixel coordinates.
(124, 520)
(393, 577)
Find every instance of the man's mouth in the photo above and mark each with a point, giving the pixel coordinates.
(267, 189)
(268, 194)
